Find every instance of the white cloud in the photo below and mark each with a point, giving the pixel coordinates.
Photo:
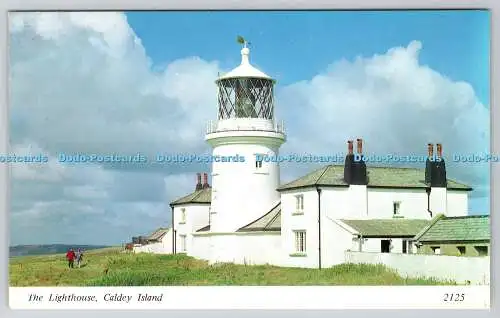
(395, 104)
(82, 82)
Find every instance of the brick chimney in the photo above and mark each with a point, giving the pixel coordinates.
(359, 145)
(359, 174)
(349, 160)
(205, 181)
(350, 147)
(429, 163)
(198, 181)
(439, 151)
(438, 177)
(430, 150)
(435, 168)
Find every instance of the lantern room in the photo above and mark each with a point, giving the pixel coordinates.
(245, 92)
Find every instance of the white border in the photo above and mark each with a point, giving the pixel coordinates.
(123, 5)
(260, 297)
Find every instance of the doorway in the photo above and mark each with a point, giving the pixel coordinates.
(385, 246)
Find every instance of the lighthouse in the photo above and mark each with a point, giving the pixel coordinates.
(243, 190)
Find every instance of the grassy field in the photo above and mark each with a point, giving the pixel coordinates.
(110, 267)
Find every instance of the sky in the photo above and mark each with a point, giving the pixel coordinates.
(143, 82)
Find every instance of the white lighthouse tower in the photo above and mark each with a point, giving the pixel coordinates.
(243, 191)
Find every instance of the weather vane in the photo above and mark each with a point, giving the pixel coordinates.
(241, 40)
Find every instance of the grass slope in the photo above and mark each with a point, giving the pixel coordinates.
(111, 267)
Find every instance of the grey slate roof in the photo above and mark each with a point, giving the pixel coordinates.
(387, 227)
(204, 229)
(378, 177)
(456, 229)
(203, 196)
(271, 221)
(158, 234)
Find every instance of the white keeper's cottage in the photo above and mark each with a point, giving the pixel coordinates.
(246, 216)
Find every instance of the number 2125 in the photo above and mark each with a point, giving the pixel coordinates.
(453, 297)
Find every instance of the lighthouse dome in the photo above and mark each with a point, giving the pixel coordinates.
(245, 69)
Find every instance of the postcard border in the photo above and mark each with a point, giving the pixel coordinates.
(126, 5)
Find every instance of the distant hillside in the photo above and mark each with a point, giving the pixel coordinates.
(23, 250)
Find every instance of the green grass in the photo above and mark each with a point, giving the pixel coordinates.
(110, 267)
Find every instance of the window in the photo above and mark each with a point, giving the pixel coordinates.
(183, 243)
(183, 215)
(481, 250)
(405, 247)
(258, 160)
(396, 205)
(436, 250)
(299, 203)
(461, 250)
(385, 246)
(300, 241)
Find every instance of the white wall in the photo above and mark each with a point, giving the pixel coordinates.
(457, 203)
(348, 203)
(252, 248)
(196, 218)
(457, 268)
(200, 246)
(341, 203)
(373, 245)
(241, 193)
(335, 240)
(162, 247)
(307, 221)
(413, 203)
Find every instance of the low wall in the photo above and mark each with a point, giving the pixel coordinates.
(457, 268)
(155, 248)
(252, 248)
(200, 247)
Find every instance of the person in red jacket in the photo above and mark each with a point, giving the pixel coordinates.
(70, 256)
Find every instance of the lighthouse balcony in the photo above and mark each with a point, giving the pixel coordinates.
(245, 124)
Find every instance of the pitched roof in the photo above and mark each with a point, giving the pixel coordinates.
(378, 177)
(271, 221)
(459, 228)
(387, 227)
(199, 196)
(206, 228)
(158, 234)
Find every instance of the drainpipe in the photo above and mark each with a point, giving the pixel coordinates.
(173, 230)
(319, 227)
(428, 191)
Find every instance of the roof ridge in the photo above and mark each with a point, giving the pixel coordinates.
(322, 174)
(428, 227)
(265, 214)
(468, 216)
(274, 217)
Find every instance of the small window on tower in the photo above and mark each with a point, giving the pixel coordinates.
(183, 243)
(396, 207)
(299, 204)
(183, 215)
(258, 160)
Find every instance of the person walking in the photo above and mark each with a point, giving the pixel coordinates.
(79, 257)
(70, 256)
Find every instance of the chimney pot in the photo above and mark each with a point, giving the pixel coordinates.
(198, 181)
(430, 150)
(350, 147)
(360, 145)
(439, 150)
(205, 179)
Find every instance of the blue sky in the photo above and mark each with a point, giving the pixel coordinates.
(144, 82)
(456, 42)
